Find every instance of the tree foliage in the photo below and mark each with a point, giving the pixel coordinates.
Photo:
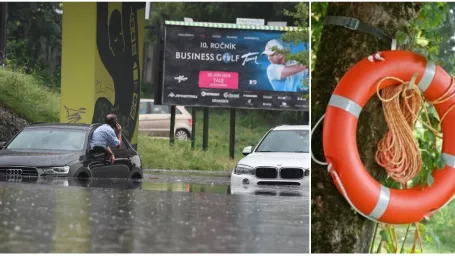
(318, 10)
(300, 16)
(33, 29)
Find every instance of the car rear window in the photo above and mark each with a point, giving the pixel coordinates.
(49, 139)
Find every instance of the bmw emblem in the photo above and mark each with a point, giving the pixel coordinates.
(227, 57)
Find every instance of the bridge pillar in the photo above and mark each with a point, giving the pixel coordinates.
(102, 49)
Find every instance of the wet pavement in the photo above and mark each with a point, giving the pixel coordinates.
(164, 213)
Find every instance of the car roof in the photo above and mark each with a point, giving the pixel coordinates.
(61, 125)
(152, 100)
(291, 127)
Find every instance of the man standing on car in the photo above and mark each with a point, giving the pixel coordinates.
(108, 134)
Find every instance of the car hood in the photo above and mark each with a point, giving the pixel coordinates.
(37, 159)
(277, 159)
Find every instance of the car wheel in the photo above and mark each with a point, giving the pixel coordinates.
(182, 135)
(136, 174)
(83, 174)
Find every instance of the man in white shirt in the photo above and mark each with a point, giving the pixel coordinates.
(285, 76)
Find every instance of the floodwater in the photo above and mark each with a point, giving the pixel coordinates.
(161, 214)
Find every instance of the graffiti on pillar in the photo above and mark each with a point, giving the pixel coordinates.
(118, 47)
(74, 115)
(104, 88)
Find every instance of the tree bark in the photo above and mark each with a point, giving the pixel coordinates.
(335, 227)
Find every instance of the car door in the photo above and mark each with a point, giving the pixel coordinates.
(161, 116)
(145, 116)
(125, 152)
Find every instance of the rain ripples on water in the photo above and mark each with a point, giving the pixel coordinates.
(161, 214)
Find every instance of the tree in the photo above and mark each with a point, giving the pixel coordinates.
(334, 226)
(34, 34)
(302, 36)
(300, 16)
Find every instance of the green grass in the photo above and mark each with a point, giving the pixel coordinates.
(250, 127)
(21, 94)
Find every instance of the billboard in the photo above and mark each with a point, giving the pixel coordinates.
(228, 65)
(102, 67)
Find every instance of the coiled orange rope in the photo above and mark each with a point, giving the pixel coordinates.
(398, 151)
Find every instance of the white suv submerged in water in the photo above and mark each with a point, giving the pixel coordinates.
(281, 158)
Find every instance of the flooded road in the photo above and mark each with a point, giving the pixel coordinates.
(164, 213)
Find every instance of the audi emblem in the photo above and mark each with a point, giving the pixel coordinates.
(14, 171)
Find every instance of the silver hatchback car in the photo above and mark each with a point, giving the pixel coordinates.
(155, 120)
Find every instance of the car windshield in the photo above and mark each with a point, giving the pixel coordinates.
(49, 139)
(286, 141)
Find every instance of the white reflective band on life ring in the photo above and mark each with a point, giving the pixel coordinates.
(345, 104)
(427, 78)
(345, 194)
(449, 159)
(381, 205)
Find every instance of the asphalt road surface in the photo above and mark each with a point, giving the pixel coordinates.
(162, 214)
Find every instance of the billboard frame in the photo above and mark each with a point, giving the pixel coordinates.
(161, 85)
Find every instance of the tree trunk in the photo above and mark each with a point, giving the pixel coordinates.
(335, 227)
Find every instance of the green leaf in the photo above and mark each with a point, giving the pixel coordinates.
(428, 239)
(430, 179)
(384, 235)
(427, 159)
(441, 162)
(421, 228)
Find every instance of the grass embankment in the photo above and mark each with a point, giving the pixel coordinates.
(30, 101)
(33, 102)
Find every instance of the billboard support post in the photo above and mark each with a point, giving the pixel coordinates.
(205, 132)
(171, 130)
(232, 135)
(193, 128)
(159, 64)
(306, 117)
(299, 117)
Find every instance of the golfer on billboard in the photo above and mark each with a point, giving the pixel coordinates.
(284, 76)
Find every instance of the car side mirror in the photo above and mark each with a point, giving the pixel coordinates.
(248, 150)
(2, 144)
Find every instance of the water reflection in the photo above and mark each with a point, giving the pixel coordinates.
(110, 216)
(297, 191)
(176, 184)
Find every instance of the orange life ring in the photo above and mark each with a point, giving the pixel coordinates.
(362, 191)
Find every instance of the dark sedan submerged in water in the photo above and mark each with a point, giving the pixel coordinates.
(62, 150)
